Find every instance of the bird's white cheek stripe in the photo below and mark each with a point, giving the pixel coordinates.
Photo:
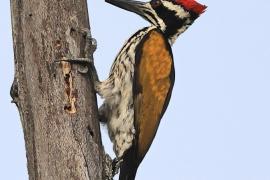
(179, 11)
(157, 21)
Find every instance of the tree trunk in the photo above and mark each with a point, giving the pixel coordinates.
(57, 104)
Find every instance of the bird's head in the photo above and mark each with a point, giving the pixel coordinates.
(172, 17)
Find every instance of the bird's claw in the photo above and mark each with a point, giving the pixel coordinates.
(107, 163)
(116, 163)
(111, 167)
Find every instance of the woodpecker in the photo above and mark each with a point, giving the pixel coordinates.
(138, 89)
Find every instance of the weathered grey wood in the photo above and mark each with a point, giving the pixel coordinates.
(57, 104)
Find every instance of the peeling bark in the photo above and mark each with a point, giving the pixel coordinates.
(57, 104)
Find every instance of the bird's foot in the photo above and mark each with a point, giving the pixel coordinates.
(111, 167)
(107, 164)
(116, 164)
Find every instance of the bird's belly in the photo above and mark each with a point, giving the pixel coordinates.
(121, 123)
(121, 119)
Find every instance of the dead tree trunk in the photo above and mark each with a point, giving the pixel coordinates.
(57, 104)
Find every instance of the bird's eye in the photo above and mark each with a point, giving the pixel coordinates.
(155, 3)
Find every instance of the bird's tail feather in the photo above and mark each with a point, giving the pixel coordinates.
(128, 171)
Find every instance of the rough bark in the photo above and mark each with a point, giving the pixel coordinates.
(57, 104)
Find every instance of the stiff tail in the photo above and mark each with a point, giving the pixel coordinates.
(129, 165)
(127, 171)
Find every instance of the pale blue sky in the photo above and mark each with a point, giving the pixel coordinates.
(217, 126)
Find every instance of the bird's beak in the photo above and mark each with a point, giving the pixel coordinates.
(129, 5)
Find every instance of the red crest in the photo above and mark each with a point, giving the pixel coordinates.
(192, 5)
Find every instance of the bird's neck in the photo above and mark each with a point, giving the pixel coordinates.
(172, 33)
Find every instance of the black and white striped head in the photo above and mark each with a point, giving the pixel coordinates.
(172, 17)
